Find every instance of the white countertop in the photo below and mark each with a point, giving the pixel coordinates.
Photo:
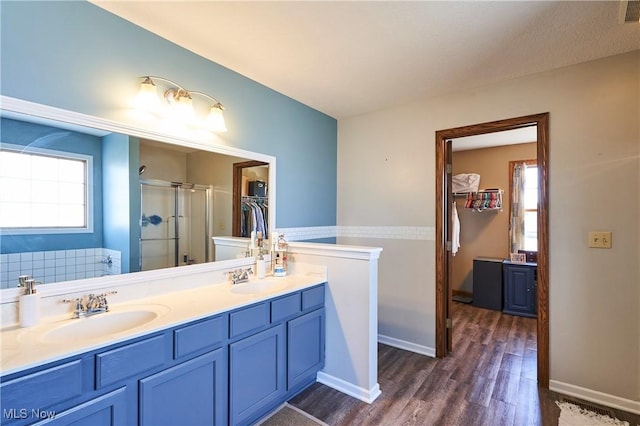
(23, 348)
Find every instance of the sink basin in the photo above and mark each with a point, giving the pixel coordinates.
(97, 326)
(256, 287)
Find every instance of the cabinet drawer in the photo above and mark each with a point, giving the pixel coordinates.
(128, 361)
(248, 319)
(285, 307)
(204, 335)
(313, 298)
(40, 390)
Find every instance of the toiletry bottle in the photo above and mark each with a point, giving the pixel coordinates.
(29, 305)
(282, 253)
(253, 240)
(261, 266)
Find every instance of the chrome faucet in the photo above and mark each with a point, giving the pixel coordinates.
(91, 305)
(240, 275)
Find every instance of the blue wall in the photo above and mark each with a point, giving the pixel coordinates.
(121, 189)
(35, 135)
(78, 57)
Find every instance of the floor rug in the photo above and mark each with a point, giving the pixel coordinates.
(573, 415)
(288, 415)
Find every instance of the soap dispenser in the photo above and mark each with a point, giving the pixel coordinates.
(29, 304)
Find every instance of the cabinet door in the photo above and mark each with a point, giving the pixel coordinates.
(520, 291)
(191, 393)
(108, 410)
(305, 348)
(257, 374)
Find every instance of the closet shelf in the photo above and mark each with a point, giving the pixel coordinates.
(483, 200)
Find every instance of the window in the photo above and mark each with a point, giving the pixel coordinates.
(523, 215)
(531, 208)
(44, 191)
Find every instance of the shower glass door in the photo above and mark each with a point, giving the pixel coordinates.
(193, 224)
(158, 234)
(174, 224)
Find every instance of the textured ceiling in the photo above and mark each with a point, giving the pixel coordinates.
(349, 58)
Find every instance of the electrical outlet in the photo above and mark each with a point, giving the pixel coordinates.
(600, 239)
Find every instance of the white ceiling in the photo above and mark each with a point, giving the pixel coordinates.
(346, 58)
(488, 140)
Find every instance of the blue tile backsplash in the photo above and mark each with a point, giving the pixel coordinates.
(58, 265)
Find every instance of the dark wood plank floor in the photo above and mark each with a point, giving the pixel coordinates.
(490, 379)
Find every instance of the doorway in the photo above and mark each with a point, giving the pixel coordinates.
(236, 210)
(443, 231)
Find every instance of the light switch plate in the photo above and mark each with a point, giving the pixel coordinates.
(600, 239)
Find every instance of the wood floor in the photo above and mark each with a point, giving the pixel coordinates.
(490, 379)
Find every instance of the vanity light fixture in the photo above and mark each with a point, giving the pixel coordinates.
(179, 103)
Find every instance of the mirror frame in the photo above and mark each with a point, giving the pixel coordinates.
(40, 111)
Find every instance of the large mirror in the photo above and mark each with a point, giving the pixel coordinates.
(80, 202)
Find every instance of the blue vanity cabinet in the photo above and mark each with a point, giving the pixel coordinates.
(257, 380)
(271, 366)
(305, 349)
(191, 393)
(305, 341)
(44, 391)
(229, 368)
(127, 362)
(106, 410)
(520, 289)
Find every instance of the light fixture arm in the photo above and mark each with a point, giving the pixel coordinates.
(180, 98)
(181, 91)
(217, 103)
(150, 78)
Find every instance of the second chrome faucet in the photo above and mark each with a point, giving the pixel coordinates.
(240, 275)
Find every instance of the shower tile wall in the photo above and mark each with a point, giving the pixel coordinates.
(59, 265)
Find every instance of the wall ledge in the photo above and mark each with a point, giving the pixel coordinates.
(112, 282)
(318, 249)
(601, 398)
(336, 250)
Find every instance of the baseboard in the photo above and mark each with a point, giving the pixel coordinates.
(366, 395)
(407, 346)
(595, 396)
(462, 293)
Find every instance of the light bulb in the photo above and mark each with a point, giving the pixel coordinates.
(183, 109)
(148, 95)
(215, 119)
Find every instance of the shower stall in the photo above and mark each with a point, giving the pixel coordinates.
(174, 224)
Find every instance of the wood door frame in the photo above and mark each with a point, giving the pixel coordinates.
(442, 212)
(237, 192)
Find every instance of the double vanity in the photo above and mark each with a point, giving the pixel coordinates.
(215, 354)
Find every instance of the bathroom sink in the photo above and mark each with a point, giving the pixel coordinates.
(99, 325)
(257, 287)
